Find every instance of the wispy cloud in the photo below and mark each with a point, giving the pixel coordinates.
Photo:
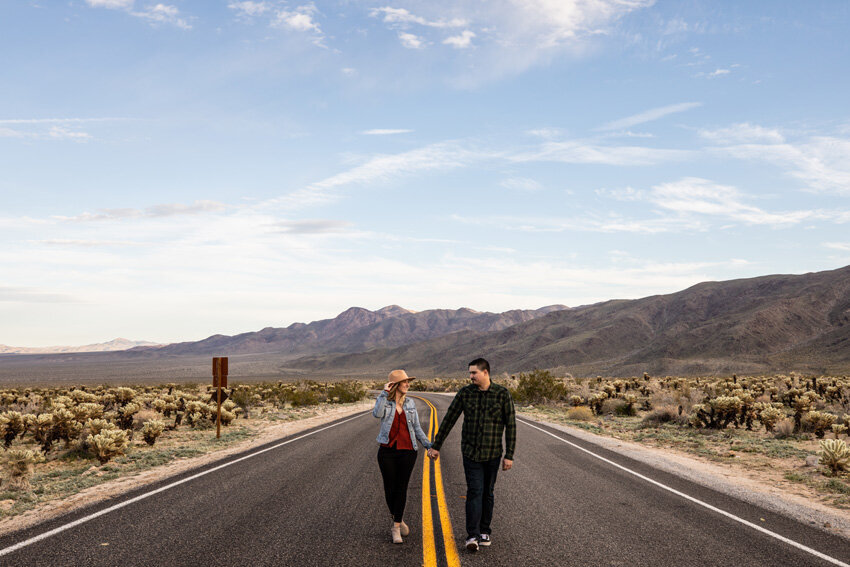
(649, 116)
(742, 133)
(578, 151)
(411, 41)
(462, 41)
(84, 243)
(842, 246)
(249, 8)
(521, 184)
(162, 14)
(311, 226)
(32, 295)
(164, 210)
(822, 163)
(405, 17)
(154, 14)
(385, 131)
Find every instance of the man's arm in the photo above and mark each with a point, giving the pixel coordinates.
(452, 415)
(510, 428)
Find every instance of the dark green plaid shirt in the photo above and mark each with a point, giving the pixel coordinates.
(486, 416)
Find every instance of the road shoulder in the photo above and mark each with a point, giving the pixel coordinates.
(721, 479)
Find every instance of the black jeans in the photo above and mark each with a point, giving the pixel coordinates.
(480, 480)
(396, 466)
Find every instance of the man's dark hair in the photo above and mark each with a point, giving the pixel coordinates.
(481, 364)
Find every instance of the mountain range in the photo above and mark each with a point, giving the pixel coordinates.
(109, 346)
(755, 325)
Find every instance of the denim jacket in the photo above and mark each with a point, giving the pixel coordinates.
(385, 411)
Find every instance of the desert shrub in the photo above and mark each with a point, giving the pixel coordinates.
(835, 455)
(576, 400)
(784, 429)
(627, 408)
(817, 422)
(580, 413)
(612, 406)
(304, 397)
(227, 416)
(19, 465)
(539, 386)
(108, 443)
(151, 430)
(346, 392)
(663, 414)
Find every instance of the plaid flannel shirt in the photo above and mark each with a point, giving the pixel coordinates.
(486, 416)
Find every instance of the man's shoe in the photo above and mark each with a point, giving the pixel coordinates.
(405, 531)
(395, 531)
(484, 539)
(472, 545)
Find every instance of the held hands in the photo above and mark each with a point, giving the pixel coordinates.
(433, 454)
(507, 464)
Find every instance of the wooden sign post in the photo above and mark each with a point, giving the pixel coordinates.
(219, 372)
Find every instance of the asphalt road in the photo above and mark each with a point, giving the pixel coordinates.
(317, 500)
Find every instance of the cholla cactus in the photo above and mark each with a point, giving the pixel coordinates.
(19, 464)
(151, 430)
(717, 413)
(595, 402)
(835, 454)
(838, 429)
(108, 443)
(11, 425)
(818, 422)
(95, 426)
(769, 415)
(124, 395)
(42, 429)
(576, 400)
(87, 410)
(126, 413)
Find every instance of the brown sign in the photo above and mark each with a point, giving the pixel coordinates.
(219, 371)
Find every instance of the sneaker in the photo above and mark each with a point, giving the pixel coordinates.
(484, 539)
(395, 532)
(405, 530)
(472, 544)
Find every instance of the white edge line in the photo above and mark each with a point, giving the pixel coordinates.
(84, 519)
(729, 515)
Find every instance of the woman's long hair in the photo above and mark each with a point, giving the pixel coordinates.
(394, 392)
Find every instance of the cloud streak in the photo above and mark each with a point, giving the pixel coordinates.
(649, 116)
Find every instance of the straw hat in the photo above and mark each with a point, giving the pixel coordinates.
(399, 376)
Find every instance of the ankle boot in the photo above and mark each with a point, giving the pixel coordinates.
(396, 533)
(405, 531)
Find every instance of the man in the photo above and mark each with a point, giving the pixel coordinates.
(488, 412)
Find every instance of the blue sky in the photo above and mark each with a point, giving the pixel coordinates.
(173, 170)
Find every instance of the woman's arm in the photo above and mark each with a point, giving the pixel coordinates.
(417, 429)
(380, 404)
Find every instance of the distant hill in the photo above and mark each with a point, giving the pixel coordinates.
(354, 330)
(769, 323)
(110, 346)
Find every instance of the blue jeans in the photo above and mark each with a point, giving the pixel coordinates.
(480, 480)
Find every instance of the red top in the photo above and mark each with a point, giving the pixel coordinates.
(399, 434)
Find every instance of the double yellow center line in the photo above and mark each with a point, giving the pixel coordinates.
(429, 548)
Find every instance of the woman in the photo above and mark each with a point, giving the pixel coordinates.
(400, 429)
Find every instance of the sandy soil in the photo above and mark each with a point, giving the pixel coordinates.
(267, 433)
